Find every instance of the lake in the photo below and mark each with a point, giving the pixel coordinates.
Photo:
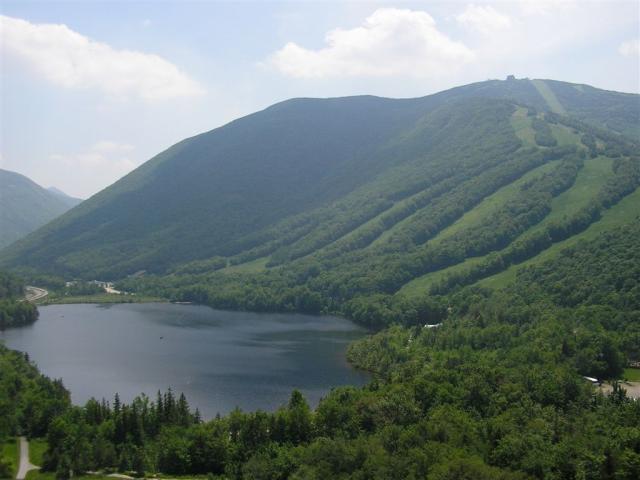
(219, 359)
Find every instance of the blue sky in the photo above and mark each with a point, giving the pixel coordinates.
(90, 90)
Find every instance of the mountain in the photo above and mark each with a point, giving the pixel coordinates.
(316, 201)
(26, 206)
(62, 194)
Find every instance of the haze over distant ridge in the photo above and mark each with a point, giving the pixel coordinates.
(26, 206)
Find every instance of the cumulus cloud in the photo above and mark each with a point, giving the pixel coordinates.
(97, 166)
(389, 42)
(484, 19)
(630, 48)
(69, 59)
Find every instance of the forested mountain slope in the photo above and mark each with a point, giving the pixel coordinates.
(344, 196)
(26, 206)
(512, 190)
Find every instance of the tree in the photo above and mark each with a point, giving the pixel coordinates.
(299, 423)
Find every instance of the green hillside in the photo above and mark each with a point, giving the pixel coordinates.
(624, 213)
(26, 206)
(589, 181)
(500, 206)
(496, 391)
(329, 205)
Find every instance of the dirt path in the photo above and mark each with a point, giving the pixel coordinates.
(25, 465)
(632, 388)
(35, 293)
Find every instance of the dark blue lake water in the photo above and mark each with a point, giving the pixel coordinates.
(219, 359)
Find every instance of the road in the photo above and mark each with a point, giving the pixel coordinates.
(35, 293)
(25, 465)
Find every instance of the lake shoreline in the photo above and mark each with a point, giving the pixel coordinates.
(219, 359)
(102, 298)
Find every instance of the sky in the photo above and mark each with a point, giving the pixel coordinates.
(90, 90)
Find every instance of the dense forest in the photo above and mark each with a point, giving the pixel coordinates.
(14, 311)
(29, 401)
(495, 392)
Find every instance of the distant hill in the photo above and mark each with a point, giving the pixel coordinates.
(353, 196)
(26, 206)
(62, 194)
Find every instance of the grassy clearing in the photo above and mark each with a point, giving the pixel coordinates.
(37, 475)
(101, 298)
(590, 179)
(371, 221)
(37, 447)
(549, 97)
(480, 212)
(625, 211)
(522, 126)
(421, 285)
(631, 374)
(387, 233)
(384, 236)
(565, 135)
(476, 213)
(9, 452)
(400, 204)
(565, 205)
(254, 266)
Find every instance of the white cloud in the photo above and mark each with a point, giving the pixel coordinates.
(390, 42)
(484, 19)
(71, 60)
(630, 48)
(98, 166)
(546, 7)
